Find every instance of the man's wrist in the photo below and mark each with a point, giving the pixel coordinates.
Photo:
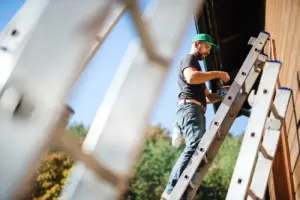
(217, 74)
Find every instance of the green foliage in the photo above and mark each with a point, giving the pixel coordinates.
(78, 129)
(217, 180)
(53, 170)
(51, 176)
(158, 158)
(153, 169)
(151, 173)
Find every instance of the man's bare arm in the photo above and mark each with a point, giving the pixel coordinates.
(193, 76)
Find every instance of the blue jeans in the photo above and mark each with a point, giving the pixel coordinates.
(191, 120)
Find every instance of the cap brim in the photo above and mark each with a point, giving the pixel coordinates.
(214, 47)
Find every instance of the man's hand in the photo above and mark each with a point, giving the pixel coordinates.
(223, 76)
(216, 97)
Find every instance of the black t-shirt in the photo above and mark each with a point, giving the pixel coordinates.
(187, 91)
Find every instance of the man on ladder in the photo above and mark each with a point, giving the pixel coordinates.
(193, 97)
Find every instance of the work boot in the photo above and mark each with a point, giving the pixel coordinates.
(177, 137)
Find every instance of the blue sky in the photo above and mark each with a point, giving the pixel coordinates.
(89, 91)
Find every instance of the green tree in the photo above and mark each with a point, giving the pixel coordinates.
(54, 169)
(78, 129)
(217, 180)
(151, 173)
(158, 158)
(51, 176)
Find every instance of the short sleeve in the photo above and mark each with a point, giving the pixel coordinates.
(189, 61)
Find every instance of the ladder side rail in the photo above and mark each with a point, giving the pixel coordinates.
(42, 77)
(118, 146)
(270, 142)
(15, 35)
(245, 162)
(225, 127)
(217, 121)
(117, 10)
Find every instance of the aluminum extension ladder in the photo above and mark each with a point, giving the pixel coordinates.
(43, 50)
(225, 116)
(261, 138)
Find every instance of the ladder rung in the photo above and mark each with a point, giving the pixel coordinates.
(205, 159)
(273, 124)
(219, 134)
(243, 90)
(252, 76)
(275, 112)
(147, 41)
(262, 57)
(251, 98)
(69, 144)
(252, 195)
(117, 10)
(265, 152)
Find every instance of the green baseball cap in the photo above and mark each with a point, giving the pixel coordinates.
(206, 38)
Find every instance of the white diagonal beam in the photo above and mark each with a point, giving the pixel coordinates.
(15, 35)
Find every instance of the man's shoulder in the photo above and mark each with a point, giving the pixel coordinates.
(189, 60)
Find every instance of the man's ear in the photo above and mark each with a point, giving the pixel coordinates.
(195, 44)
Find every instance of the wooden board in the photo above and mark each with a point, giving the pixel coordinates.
(289, 115)
(294, 135)
(296, 175)
(298, 194)
(280, 176)
(292, 131)
(294, 153)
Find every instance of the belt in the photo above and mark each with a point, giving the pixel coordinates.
(184, 101)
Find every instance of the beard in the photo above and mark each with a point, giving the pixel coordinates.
(203, 55)
(200, 56)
